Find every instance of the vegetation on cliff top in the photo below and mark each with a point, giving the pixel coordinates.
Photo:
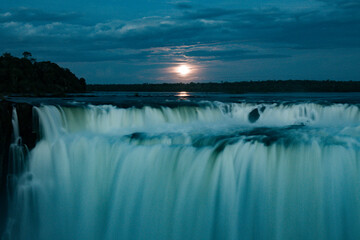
(26, 76)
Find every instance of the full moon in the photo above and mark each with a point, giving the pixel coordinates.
(183, 70)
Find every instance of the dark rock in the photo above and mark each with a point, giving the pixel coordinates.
(25, 117)
(254, 115)
(5, 140)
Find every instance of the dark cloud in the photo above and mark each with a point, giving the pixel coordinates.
(229, 55)
(183, 5)
(351, 5)
(208, 13)
(343, 3)
(92, 56)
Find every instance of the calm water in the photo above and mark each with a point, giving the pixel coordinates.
(148, 98)
(191, 166)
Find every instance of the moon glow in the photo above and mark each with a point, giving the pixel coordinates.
(183, 70)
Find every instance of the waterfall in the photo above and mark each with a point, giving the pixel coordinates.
(192, 172)
(16, 166)
(17, 154)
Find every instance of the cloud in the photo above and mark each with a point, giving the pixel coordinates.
(343, 3)
(229, 55)
(93, 56)
(30, 15)
(183, 5)
(258, 33)
(208, 13)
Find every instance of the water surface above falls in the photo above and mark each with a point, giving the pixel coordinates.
(173, 99)
(193, 169)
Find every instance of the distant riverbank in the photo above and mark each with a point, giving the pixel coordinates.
(235, 87)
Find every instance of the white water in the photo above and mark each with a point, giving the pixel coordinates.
(17, 154)
(206, 172)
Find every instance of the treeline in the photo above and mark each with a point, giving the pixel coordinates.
(26, 76)
(236, 87)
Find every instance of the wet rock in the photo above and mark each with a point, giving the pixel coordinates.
(5, 140)
(254, 115)
(5, 136)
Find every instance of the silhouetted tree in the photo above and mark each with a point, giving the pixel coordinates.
(7, 55)
(26, 54)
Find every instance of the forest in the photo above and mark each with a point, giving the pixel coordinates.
(27, 76)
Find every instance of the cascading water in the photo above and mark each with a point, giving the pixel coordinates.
(17, 154)
(192, 172)
(16, 165)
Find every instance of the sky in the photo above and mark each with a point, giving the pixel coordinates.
(146, 41)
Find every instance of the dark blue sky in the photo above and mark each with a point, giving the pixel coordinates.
(136, 41)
